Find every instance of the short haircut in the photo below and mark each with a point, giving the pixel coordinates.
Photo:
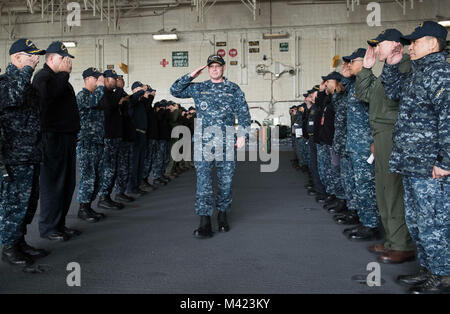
(442, 43)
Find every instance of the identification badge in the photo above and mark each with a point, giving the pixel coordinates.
(298, 133)
(203, 105)
(371, 159)
(311, 122)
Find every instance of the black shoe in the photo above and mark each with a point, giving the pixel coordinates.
(435, 284)
(147, 186)
(204, 230)
(340, 207)
(330, 198)
(85, 214)
(97, 214)
(139, 192)
(312, 193)
(365, 234)
(347, 231)
(160, 181)
(350, 219)
(58, 236)
(106, 202)
(320, 198)
(71, 232)
(222, 222)
(122, 197)
(14, 256)
(330, 204)
(415, 279)
(31, 251)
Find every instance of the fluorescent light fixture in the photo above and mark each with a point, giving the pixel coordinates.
(70, 44)
(165, 37)
(275, 35)
(445, 23)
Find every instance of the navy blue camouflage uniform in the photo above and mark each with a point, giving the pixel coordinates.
(421, 141)
(217, 105)
(21, 152)
(90, 143)
(359, 140)
(339, 143)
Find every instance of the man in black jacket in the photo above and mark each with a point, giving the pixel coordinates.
(60, 123)
(125, 147)
(113, 123)
(142, 97)
(162, 115)
(152, 143)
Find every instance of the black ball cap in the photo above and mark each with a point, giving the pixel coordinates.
(391, 34)
(358, 53)
(215, 59)
(25, 45)
(59, 48)
(427, 28)
(110, 73)
(91, 72)
(333, 76)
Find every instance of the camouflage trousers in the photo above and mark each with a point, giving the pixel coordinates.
(109, 165)
(123, 167)
(89, 154)
(303, 151)
(294, 145)
(335, 182)
(160, 159)
(347, 183)
(204, 198)
(427, 213)
(150, 156)
(18, 202)
(364, 189)
(324, 165)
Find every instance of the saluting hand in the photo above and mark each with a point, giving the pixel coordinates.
(396, 54)
(101, 81)
(198, 71)
(66, 65)
(31, 60)
(370, 58)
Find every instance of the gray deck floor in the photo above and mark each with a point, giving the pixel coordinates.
(281, 241)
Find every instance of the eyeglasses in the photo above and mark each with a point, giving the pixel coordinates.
(354, 60)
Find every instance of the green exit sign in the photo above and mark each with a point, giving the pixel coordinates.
(284, 47)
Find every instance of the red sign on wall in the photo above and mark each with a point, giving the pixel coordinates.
(233, 53)
(221, 52)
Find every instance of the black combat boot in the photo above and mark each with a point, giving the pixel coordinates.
(85, 214)
(434, 284)
(351, 218)
(365, 234)
(339, 207)
(96, 214)
(14, 256)
(31, 251)
(106, 202)
(222, 222)
(204, 230)
(122, 197)
(414, 279)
